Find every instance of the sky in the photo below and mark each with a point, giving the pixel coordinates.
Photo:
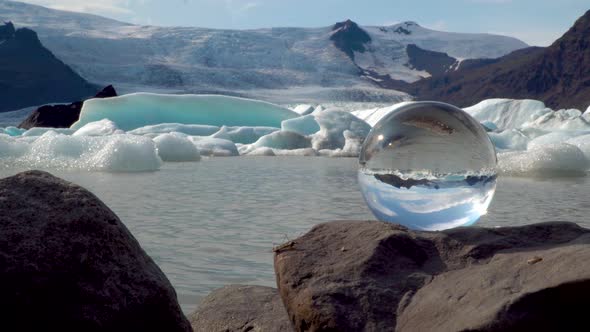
(536, 22)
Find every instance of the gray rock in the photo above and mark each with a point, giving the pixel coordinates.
(241, 308)
(67, 263)
(374, 276)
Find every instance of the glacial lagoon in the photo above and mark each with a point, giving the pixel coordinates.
(214, 222)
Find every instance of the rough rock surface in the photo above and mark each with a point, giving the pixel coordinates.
(374, 276)
(241, 308)
(557, 75)
(67, 263)
(61, 115)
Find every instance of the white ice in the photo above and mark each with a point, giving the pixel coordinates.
(529, 137)
(175, 147)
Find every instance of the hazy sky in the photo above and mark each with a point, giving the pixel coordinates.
(537, 22)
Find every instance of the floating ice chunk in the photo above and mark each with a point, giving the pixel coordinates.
(218, 147)
(246, 135)
(489, 125)
(511, 139)
(13, 131)
(164, 128)
(304, 125)
(570, 113)
(38, 131)
(103, 127)
(263, 151)
(126, 153)
(52, 145)
(508, 113)
(561, 120)
(12, 148)
(332, 127)
(116, 153)
(283, 140)
(303, 109)
(581, 142)
(143, 109)
(552, 159)
(554, 138)
(319, 109)
(307, 152)
(174, 147)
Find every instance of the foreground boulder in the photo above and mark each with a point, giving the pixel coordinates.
(241, 308)
(67, 263)
(61, 115)
(374, 276)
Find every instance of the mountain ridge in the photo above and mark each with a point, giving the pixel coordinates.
(292, 60)
(31, 75)
(558, 75)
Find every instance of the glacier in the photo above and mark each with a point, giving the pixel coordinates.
(130, 134)
(302, 64)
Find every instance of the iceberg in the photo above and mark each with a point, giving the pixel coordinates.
(283, 140)
(243, 135)
(138, 110)
(128, 136)
(174, 147)
(304, 109)
(163, 128)
(508, 113)
(553, 159)
(512, 139)
(333, 124)
(104, 127)
(115, 153)
(304, 125)
(217, 147)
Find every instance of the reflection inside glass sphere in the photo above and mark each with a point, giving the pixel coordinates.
(428, 166)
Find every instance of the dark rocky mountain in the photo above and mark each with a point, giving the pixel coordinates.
(6, 31)
(31, 75)
(559, 75)
(61, 116)
(349, 38)
(435, 63)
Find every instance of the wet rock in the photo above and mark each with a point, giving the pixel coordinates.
(375, 276)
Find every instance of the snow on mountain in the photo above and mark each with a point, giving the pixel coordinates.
(244, 62)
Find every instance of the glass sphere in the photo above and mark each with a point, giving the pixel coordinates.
(428, 166)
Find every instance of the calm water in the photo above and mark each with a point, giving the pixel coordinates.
(215, 222)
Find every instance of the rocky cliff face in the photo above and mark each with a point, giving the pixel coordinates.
(31, 75)
(559, 75)
(435, 63)
(349, 38)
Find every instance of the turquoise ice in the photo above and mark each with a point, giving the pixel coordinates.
(138, 110)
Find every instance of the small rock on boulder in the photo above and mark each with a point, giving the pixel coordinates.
(241, 308)
(61, 115)
(374, 276)
(67, 263)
